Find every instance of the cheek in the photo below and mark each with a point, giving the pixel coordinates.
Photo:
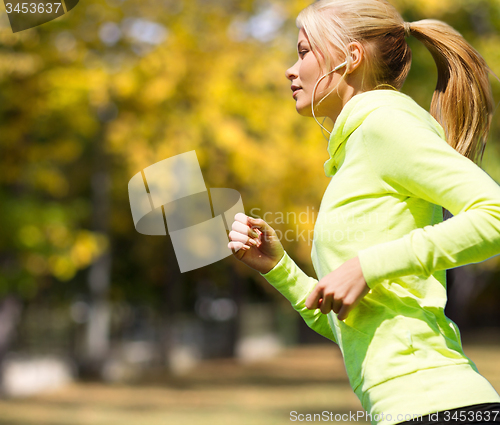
(306, 72)
(309, 71)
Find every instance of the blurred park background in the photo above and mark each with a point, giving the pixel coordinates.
(97, 324)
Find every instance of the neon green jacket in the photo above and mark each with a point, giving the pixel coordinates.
(391, 171)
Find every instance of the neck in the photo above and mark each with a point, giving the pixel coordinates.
(348, 94)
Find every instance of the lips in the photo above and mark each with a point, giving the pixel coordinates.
(295, 89)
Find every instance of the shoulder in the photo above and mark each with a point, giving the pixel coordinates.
(401, 137)
(402, 126)
(401, 118)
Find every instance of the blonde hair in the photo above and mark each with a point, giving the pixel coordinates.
(463, 100)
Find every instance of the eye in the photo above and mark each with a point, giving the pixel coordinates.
(302, 53)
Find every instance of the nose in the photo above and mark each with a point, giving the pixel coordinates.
(292, 72)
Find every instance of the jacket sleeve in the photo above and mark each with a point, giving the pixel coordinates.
(296, 286)
(412, 158)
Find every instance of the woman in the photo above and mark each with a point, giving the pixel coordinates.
(381, 247)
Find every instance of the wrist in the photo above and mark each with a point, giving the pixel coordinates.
(274, 266)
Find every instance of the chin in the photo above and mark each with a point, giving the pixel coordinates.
(304, 110)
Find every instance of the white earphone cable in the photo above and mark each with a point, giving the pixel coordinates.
(314, 91)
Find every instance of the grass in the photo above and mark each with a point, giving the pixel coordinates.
(306, 379)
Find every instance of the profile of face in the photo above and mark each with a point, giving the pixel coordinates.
(305, 73)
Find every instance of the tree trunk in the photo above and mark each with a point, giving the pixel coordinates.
(238, 291)
(98, 324)
(10, 313)
(97, 338)
(173, 298)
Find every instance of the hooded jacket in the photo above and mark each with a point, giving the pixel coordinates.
(390, 171)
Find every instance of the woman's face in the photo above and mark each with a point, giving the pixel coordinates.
(304, 74)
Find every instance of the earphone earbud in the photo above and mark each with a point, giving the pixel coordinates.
(339, 66)
(333, 70)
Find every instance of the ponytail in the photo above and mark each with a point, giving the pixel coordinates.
(463, 100)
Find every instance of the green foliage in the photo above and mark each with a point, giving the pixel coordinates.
(214, 83)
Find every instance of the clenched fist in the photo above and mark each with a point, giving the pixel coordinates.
(255, 243)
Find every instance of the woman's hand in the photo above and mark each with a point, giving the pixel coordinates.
(255, 243)
(340, 290)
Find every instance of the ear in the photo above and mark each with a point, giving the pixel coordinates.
(357, 54)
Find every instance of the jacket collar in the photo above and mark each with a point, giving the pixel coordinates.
(350, 118)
